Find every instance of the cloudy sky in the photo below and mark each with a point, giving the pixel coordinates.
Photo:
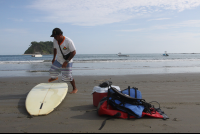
(103, 26)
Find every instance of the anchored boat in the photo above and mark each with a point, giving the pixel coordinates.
(37, 55)
(165, 54)
(122, 55)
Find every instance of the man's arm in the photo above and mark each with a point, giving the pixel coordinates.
(54, 55)
(72, 54)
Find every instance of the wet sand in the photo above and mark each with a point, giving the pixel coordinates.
(178, 95)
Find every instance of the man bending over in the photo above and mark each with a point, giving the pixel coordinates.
(60, 64)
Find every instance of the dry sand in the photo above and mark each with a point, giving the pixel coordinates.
(178, 95)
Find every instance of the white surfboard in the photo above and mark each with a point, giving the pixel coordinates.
(45, 97)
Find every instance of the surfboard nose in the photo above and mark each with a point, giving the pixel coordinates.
(45, 97)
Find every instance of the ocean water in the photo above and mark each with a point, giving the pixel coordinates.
(102, 64)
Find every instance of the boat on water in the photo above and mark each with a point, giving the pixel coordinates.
(122, 55)
(37, 55)
(165, 54)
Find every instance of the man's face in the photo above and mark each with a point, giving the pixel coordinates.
(57, 37)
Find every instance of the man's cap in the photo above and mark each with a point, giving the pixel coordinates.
(56, 31)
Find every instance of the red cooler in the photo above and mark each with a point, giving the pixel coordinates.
(99, 93)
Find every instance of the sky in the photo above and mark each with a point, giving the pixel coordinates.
(102, 26)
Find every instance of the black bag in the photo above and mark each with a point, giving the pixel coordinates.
(105, 84)
(65, 56)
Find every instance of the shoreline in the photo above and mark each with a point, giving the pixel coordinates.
(76, 75)
(178, 95)
(105, 72)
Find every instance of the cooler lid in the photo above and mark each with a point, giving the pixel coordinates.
(103, 90)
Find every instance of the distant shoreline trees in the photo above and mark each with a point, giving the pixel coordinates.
(40, 47)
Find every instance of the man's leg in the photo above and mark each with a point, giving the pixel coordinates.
(67, 77)
(54, 71)
(75, 90)
(52, 79)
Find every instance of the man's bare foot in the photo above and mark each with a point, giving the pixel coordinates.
(51, 79)
(74, 91)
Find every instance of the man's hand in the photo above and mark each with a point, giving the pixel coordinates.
(64, 64)
(53, 61)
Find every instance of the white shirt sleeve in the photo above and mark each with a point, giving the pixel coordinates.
(71, 46)
(54, 43)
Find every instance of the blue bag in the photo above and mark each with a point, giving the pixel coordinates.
(129, 101)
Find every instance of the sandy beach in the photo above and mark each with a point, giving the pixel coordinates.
(178, 95)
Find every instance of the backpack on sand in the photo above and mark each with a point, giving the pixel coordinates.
(127, 104)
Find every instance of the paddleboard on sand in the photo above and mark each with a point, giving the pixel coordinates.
(45, 97)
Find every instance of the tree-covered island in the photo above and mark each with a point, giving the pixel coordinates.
(40, 47)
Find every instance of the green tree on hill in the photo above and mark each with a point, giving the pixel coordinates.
(41, 47)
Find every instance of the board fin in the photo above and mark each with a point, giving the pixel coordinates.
(41, 106)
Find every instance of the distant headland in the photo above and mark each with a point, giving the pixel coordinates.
(40, 47)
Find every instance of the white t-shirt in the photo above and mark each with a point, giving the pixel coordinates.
(66, 46)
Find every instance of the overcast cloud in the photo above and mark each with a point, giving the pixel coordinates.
(99, 12)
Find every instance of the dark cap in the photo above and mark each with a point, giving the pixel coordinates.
(56, 31)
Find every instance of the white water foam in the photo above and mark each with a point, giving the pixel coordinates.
(99, 61)
(167, 60)
(21, 62)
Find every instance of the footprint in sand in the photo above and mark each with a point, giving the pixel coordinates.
(170, 107)
(175, 119)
